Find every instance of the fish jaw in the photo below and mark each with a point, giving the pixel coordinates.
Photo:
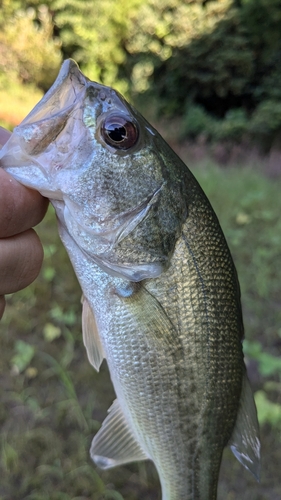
(113, 200)
(21, 157)
(54, 139)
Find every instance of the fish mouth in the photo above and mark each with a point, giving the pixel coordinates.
(99, 242)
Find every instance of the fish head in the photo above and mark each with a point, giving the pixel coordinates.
(108, 173)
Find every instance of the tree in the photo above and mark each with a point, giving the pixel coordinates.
(93, 33)
(21, 31)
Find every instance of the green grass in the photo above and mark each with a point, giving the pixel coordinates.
(52, 401)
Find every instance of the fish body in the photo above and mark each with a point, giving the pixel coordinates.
(161, 295)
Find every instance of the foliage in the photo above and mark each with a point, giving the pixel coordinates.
(222, 56)
(269, 412)
(193, 52)
(19, 35)
(210, 51)
(196, 121)
(269, 367)
(93, 33)
(23, 356)
(266, 121)
(215, 63)
(233, 127)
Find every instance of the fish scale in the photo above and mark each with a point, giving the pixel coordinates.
(152, 380)
(161, 298)
(195, 308)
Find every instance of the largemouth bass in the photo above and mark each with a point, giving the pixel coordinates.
(161, 299)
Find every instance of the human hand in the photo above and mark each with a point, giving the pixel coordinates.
(21, 252)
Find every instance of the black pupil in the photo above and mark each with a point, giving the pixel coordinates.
(116, 132)
(120, 132)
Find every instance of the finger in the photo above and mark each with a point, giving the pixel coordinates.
(2, 306)
(20, 261)
(20, 208)
(4, 136)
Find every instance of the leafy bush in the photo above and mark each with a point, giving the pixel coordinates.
(233, 127)
(266, 121)
(223, 56)
(220, 53)
(196, 121)
(29, 53)
(203, 60)
(94, 33)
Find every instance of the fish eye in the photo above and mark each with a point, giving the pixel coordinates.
(119, 132)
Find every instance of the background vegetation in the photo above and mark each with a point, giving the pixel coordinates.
(208, 72)
(216, 64)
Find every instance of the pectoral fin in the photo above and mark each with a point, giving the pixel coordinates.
(244, 442)
(115, 444)
(91, 337)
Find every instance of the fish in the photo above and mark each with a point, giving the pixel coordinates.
(161, 297)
